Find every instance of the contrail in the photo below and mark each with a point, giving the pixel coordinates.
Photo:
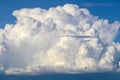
(77, 36)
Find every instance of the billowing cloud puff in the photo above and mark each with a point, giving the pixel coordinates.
(65, 39)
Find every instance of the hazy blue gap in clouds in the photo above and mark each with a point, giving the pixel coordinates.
(117, 39)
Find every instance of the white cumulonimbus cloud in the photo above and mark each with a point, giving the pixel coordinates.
(63, 39)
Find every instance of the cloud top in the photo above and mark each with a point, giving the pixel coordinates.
(41, 41)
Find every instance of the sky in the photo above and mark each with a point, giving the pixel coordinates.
(62, 36)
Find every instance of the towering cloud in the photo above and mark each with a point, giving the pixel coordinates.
(61, 39)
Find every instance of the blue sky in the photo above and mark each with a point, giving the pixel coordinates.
(107, 9)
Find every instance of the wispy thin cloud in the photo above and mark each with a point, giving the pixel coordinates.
(88, 4)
